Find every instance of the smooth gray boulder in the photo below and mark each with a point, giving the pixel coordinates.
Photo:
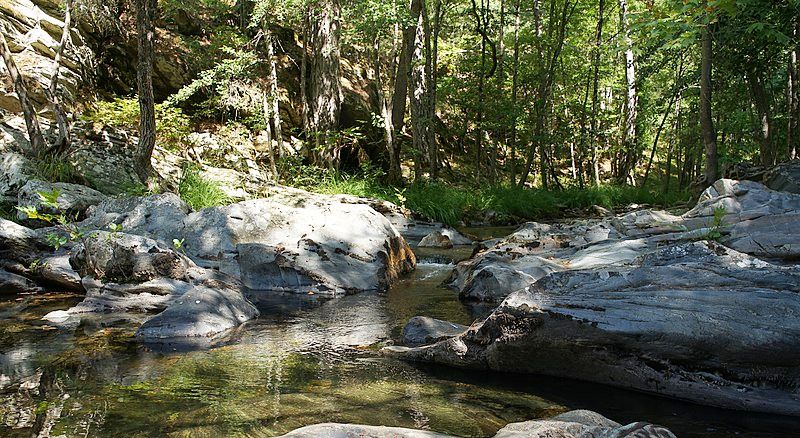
(201, 311)
(533, 251)
(444, 238)
(695, 321)
(784, 177)
(11, 283)
(423, 330)
(572, 424)
(303, 243)
(338, 430)
(141, 275)
(73, 199)
(582, 424)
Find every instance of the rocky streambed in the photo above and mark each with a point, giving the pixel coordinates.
(269, 315)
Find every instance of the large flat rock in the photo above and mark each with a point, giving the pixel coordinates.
(695, 321)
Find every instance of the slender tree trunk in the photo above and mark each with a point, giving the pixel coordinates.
(598, 41)
(394, 176)
(402, 78)
(304, 107)
(420, 119)
(630, 140)
(793, 95)
(545, 86)
(706, 122)
(37, 144)
(145, 13)
(675, 97)
(761, 102)
(676, 125)
(265, 101)
(326, 88)
(63, 140)
(514, 91)
(433, 152)
(276, 111)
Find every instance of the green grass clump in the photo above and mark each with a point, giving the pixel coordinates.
(200, 192)
(451, 204)
(55, 169)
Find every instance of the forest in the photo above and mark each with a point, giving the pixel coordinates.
(405, 219)
(663, 96)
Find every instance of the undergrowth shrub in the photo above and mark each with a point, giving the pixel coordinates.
(200, 192)
(172, 125)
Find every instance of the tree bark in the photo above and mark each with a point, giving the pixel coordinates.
(706, 122)
(37, 144)
(420, 119)
(630, 140)
(433, 78)
(326, 89)
(145, 13)
(402, 78)
(304, 106)
(265, 100)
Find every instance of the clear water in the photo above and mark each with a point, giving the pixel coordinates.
(305, 361)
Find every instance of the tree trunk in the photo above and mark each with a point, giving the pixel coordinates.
(675, 98)
(275, 97)
(793, 94)
(545, 85)
(420, 119)
(598, 41)
(430, 65)
(145, 13)
(394, 175)
(326, 89)
(304, 107)
(676, 125)
(514, 92)
(630, 140)
(37, 144)
(63, 140)
(265, 101)
(706, 122)
(761, 103)
(402, 78)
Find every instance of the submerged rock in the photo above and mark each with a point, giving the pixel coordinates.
(573, 424)
(695, 321)
(423, 330)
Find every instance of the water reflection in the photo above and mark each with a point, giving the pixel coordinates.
(307, 360)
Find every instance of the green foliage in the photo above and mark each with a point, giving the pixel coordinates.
(718, 225)
(55, 169)
(172, 125)
(200, 192)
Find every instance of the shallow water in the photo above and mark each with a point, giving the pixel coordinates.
(307, 361)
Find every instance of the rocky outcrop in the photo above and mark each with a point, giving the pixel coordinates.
(140, 275)
(309, 244)
(573, 424)
(532, 252)
(15, 171)
(33, 31)
(423, 330)
(695, 321)
(11, 284)
(73, 199)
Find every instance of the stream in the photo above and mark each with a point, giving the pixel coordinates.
(305, 361)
